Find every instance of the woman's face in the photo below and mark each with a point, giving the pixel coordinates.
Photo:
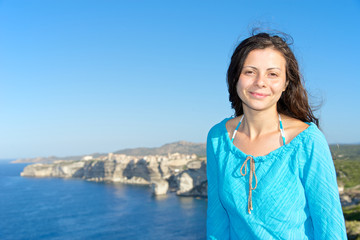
(262, 79)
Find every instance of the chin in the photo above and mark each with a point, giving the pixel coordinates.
(259, 107)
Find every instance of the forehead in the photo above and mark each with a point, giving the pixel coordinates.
(268, 57)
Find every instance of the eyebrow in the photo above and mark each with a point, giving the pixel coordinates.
(266, 69)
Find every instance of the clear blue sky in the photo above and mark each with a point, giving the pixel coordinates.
(84, 76)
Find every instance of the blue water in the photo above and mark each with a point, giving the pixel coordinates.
(50, 208)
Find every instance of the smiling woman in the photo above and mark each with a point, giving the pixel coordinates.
(290, 191)
(258, 73)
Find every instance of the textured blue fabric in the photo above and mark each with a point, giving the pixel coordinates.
(296, 197)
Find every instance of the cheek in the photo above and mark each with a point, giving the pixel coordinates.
(239, 87)
(279, 86)
(241, 84)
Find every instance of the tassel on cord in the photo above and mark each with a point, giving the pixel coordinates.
(252, 172)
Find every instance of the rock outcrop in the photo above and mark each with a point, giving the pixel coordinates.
(350, 196)
(182, 173)
(159, 187)
(193, 182)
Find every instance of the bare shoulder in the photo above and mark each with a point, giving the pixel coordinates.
(292, 127)
(232, 124)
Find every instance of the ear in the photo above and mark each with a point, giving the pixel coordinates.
(286, 84)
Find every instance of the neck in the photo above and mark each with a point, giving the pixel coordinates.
(258, 123)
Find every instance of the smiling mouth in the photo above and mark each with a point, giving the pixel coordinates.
(258, 95)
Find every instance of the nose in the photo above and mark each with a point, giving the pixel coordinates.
(260, 81)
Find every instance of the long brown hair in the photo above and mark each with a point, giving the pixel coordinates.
(294, 100)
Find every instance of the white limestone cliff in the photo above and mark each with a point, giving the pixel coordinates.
(174, 172)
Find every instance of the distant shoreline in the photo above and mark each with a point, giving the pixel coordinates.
(8, 160)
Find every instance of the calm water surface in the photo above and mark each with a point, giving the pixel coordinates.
(50, 208)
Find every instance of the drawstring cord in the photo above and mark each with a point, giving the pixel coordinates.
(252, 162)
(252, 171)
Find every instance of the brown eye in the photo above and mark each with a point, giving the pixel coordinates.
(273, 75)
(249, 72)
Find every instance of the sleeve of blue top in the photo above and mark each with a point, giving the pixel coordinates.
(217, 221)
(318, 177)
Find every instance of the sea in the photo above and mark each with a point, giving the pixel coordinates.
(55, 208)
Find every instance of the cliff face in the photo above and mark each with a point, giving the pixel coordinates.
(193, 182)
(59, 169)
(181, 173)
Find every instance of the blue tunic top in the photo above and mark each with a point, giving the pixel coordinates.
(296, 195)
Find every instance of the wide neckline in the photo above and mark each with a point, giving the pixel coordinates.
(277, 152)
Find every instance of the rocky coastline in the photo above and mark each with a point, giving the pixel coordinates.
(181, 173)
